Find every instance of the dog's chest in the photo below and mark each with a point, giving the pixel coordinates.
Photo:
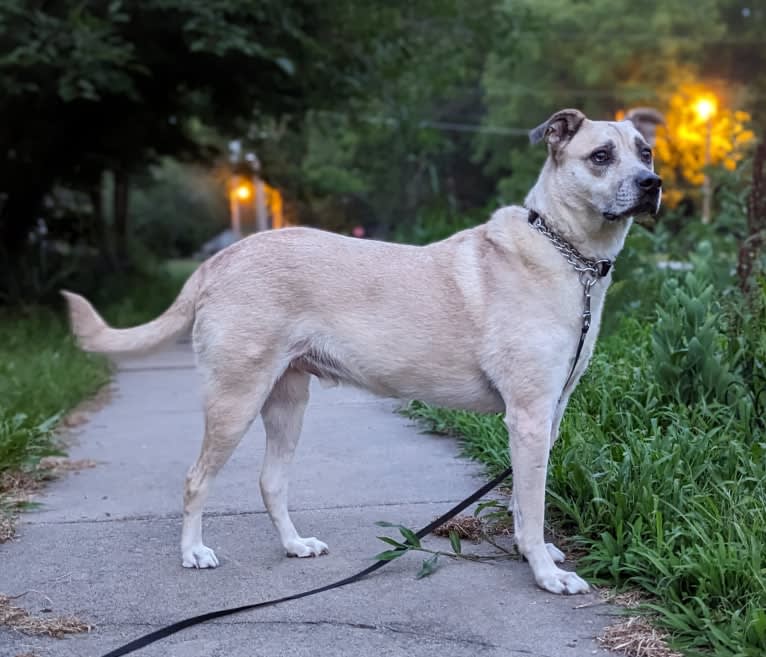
(536, 333)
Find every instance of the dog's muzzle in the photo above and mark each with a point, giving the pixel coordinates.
(649, 186)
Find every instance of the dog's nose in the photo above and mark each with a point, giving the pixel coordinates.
(648, 181)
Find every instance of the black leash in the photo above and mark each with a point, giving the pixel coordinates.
(166, 631)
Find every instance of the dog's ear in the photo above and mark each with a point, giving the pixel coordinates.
(558, 129)
(646, 120)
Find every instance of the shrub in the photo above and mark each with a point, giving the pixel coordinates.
(690, 349)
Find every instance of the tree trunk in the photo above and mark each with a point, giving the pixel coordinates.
(752, 245)
(18, 215)
(120, 206)
(100, 234)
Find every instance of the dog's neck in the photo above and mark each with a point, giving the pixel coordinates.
(588, 231)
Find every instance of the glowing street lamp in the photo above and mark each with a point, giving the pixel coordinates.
(247, 189)
(239, 192)
(706, 107)
(243, 192)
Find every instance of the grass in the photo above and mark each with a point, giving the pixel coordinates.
(43, 374)
(664, 495)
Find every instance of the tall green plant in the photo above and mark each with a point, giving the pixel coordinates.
(689, 344)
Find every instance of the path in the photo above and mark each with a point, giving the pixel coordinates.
(104, 546)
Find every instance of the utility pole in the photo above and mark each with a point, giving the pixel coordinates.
(706, 108)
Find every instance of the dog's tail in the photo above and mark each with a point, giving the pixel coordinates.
(94, 334)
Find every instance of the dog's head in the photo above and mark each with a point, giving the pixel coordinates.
(605, 168)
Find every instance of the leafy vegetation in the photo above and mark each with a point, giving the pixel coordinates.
(95, 93)
(410, 542)
(360, 112)
(42, 375)
(660, 472)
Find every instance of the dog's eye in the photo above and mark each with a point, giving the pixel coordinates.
(600, 157)
(646, 155)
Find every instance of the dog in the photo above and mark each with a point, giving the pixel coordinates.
(487, 320)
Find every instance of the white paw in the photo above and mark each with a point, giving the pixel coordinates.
(556, 554)
(562, 582)
(305, 547)
(199, 556)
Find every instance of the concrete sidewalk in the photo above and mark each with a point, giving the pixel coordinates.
(104, 545)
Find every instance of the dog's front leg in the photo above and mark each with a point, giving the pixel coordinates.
(529, 431)
(556, 554)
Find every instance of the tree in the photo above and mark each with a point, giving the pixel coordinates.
(751, 248)
(698, 132)
(399, 144)
(95, 86)
(599, 56)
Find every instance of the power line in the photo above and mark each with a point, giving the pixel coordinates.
(445, 126)
(449, 126)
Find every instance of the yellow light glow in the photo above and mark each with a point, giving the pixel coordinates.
(243, 192)
(705, 108)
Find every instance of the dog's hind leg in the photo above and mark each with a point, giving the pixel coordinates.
(283, 418)
(230, 407)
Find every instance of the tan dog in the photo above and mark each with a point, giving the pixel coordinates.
(486, 320)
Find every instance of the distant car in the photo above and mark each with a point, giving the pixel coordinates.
(216, 244)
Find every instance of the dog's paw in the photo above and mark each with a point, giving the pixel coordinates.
(306, 547)
(562, 582)
(556, 554)
(199, 557)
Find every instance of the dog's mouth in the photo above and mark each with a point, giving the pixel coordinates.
(647, 205)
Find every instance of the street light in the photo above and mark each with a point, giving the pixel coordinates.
(248, 190)
(243, 192)
(706, 107)
(239, 191)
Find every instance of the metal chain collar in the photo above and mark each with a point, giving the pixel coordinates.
(588, 266)
(588, 270)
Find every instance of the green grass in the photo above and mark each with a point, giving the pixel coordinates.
(42, 375)
(42, 372)
(665, 496)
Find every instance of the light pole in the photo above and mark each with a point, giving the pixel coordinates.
(706, 108)
(261, 212)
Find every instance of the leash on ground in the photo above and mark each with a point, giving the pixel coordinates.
(166, 631)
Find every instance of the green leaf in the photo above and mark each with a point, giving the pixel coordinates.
(383, 523)
(490, 504)
(389, 555)
(428, 567)
(410, 537)
(454, 540)
(393, 541)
